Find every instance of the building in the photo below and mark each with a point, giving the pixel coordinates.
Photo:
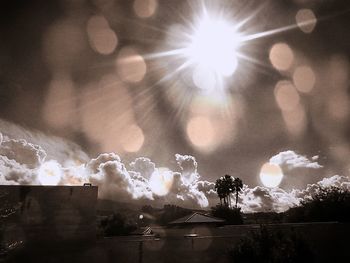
(49, 213)
(197, 219)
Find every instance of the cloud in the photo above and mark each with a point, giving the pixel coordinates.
(342, 182)
(12, 172)
(23, 152)
(181, 192)
(115, 181)
(291, 160)
(262, 199)
(22, 162)
(19, 161)
(188, 166)
(143, 166)
(58, 149)
(208, 188)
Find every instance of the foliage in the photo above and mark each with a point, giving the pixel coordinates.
(231, 215)
(117, 225)
(271, 246)
(227, 185)
(147, 209)
(326, 204)
(222, 189)
(237, 187)
(264, 218)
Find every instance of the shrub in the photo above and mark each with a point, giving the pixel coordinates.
(268, 246)
(231, 215)
(326, 204)
(117, 225)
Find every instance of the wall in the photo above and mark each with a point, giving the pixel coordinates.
(51, 213)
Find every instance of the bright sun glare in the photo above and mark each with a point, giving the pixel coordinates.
(161, 181)
(208, 46)
(271, 175)
(213, 46)
(49, 173)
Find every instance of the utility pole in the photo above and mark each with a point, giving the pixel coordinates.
(140, 251)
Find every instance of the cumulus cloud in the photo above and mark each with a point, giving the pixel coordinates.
(22, 162)
(115, 181)
(188, 166)
(143, 166)
(23, 152)
(65, 152)
(187, 193)
(291, 159)
(12, 172)
(262, 199)
(342, 182)
(19, 161)
(208, 188)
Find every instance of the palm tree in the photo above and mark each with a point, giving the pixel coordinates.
(228, 187)
(219, 188)
(237, 187)
(224, 187)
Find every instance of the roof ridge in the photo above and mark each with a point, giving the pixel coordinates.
(189, 218)
(208, 215)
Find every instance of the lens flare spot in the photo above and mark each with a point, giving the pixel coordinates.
(101, 37)
(60, 103)
(106, 103)
(304, 79)
(338, 106)
(271, 175)
(50, 173)
(281, 56)
(306, 20)
(287, 97)
(131, 66)
(161, 181)
(132, 138)
(201, 132)
(295, 120)
(63, 44)
(145, 8)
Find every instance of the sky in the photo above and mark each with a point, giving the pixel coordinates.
(144, 80)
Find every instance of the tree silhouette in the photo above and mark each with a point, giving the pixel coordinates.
(237, 186)
(224, 187)
(330, 203)
(219, 188)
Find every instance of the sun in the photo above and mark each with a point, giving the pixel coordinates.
(207, 46)
(271, 175)
(213, 46)
(161, 181)
(50, 173)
